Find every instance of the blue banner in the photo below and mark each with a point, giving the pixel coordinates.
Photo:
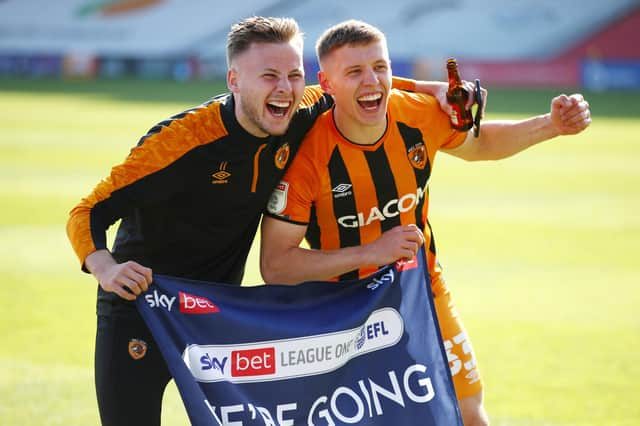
(365, 352)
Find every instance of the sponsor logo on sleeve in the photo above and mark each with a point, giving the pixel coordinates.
(278, 200)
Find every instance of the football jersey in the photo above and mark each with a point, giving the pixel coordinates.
(348, 194)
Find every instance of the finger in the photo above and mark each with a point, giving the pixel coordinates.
(576, 107)
(411, 236)
(561, 101)
(444, 104)
(417, 238)
(576, 98)
(577, 119)
(485, 93)
(583, 106)
(147, 273)
(410, 254)
(139, 278)
(128, 283)
(140, 274)
(416, 233)
(470, 87)
(124, 294)
(411, 246)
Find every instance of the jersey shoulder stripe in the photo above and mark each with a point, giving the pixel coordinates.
(174, 138)
(161, 146)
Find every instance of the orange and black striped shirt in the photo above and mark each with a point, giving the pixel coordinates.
(349, 194)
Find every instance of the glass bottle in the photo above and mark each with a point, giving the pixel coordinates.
(457, 96)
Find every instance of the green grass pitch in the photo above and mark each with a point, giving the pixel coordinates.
(540, 251)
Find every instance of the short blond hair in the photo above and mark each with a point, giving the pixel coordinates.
(259, 29)
(347, 33)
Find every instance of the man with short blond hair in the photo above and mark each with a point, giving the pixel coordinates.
(357, 190)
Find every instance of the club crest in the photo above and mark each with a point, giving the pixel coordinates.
(282, 156)
(418, 156)
(137, 348)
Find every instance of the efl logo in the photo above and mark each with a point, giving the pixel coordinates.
(253, 362)
(190, 304)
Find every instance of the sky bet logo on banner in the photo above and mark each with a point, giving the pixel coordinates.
(365, 352)
(189, 304)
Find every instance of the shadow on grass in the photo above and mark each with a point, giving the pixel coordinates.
(501, 100)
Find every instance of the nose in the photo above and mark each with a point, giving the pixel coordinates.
(370, 76)
(284, 85)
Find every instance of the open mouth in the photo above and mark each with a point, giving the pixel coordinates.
(370, 102)
(278, 108)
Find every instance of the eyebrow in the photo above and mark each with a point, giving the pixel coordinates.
(352, 67)
(275, 71)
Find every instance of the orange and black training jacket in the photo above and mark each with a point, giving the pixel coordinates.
(191, 193)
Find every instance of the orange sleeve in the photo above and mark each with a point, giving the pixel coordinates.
(421, 110)
(448, 137)
(405, 84)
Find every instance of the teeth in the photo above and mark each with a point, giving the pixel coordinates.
(372, 97)
(280, 104)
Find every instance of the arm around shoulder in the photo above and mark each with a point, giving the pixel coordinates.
(569, 115)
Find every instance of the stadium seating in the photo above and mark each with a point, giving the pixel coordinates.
(164, 35)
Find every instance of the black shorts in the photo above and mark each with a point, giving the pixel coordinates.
(131, 374)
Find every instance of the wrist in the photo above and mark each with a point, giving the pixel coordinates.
(551, 126)
(357, 255)
(98, 262)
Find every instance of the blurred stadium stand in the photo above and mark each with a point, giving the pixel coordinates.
(590, 43)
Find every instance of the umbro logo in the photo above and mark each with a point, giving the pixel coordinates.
(222, 175)
(341, 188)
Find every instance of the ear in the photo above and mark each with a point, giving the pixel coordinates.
(325, 84)
(232, 80)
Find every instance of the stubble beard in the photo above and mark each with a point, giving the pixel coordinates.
(250, 112)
